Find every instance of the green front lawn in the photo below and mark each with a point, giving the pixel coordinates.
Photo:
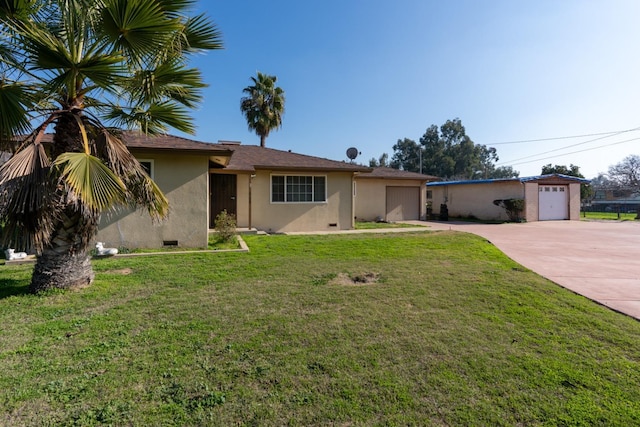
(627, 216)
(430, 328)
(370, 225)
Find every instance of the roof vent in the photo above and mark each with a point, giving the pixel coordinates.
(222, 141)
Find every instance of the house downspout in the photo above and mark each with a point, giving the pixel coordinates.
(250, 184)
(353, 200)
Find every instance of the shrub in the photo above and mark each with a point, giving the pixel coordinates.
(514, 208)
(225, 226)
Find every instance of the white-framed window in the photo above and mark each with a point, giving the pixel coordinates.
(148, 166)
(298, 188)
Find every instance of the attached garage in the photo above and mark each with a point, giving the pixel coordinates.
(391, 195)
(403, 203)
(546, 197)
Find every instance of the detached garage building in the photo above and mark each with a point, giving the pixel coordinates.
(391, 195)
(546, 197)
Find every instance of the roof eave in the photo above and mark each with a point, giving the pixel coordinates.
(309, 168)
(209, 152)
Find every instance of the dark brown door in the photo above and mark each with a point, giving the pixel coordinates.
(222, 195)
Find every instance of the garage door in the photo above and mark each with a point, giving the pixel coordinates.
(403, 203)
(553, 202)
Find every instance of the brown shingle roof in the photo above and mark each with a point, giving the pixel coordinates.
(135, 139)
(169, 142)
(390, 173)
(243, 157)
(252, 157)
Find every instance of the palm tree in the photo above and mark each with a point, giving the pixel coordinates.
(263, 106)
(87, 68)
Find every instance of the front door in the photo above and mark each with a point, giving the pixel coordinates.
(222, 195)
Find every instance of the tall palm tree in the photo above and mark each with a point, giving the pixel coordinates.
(86, 68)
(263, 106)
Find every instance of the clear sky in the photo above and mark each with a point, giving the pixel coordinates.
(365, 73)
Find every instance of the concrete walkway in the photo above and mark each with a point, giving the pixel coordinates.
(597, 259)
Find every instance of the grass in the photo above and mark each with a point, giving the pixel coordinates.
(371, 225)
(613, 216)
(451, 332)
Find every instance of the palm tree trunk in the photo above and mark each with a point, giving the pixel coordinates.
(61, 271)
(64, 263)
(263, 140)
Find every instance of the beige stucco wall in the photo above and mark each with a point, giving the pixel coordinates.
(370, 198)
(184, 181)
(284, 217)
(242, 199)
(531, 206)
(475, 200)
(574, 202)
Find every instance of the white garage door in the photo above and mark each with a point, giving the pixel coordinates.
(553, 202)
(403, 203)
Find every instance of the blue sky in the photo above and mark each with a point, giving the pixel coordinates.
(366, 73)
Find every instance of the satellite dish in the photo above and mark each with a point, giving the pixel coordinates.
(352, 153)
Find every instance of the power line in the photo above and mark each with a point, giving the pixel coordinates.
(574, 152)
(522, 141)
(569, 146)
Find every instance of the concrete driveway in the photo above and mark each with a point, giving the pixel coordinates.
(600, 260)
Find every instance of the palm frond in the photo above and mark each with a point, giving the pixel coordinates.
(137, 27)
(141, 189)
(26, 194)
(17, 10)
(14, 115)
(102, 70)
(91, 180)
(201, 33)
(175, 8)
(168, 81)
(23, 174)
(153, 119)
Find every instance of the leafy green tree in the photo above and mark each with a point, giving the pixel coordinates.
(263, 106)
(436, 159)
(504, 172)
(406, 155)
(448, 152)
(86, 68)
(382, 161)
(571, 170)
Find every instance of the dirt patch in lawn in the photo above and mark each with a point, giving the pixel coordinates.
(362, 279)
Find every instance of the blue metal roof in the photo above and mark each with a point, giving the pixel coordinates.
(556, 175)
(501, 180)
